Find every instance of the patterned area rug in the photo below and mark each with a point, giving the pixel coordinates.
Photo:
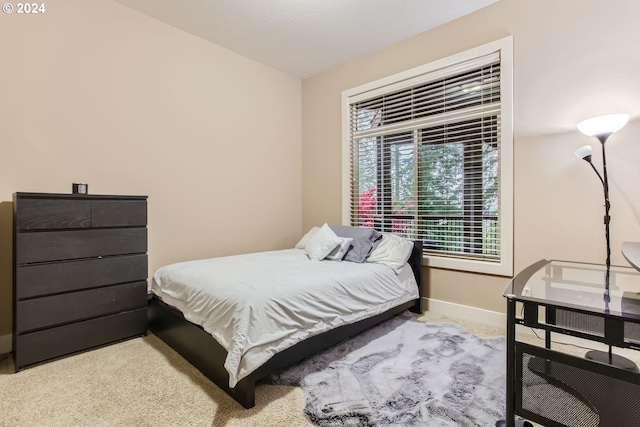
(404, 372)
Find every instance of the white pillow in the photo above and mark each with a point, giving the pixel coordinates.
(340, 251)
(305, 239)
(322, 243)
(393, 251)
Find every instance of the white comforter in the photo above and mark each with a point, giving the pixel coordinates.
(258, 304)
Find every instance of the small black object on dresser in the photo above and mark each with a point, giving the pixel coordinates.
(80, 273)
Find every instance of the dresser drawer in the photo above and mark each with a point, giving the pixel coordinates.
(44, 214)
(65, 213)
(74, 244)
(54, 310)
(52, 278)
(118, 213)
(46, 344)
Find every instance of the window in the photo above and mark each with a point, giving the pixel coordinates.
(428, 155)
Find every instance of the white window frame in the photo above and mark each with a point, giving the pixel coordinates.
(504, 46)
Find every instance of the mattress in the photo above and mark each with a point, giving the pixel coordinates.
(256, 305)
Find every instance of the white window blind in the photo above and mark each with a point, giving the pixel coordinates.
(425, 156)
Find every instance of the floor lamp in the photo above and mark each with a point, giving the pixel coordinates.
(602, 128)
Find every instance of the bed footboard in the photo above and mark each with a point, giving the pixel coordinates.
(201, 350)
(198, 347)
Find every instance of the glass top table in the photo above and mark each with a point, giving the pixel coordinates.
(586, 301)
(581, 286)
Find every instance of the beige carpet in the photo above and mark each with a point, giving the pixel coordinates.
(142, 382)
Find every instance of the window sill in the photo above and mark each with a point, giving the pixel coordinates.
(502, 268)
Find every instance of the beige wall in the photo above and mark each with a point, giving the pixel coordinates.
(574, 59)
(98, 93)
(95, 92)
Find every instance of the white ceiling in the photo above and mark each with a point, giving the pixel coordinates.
(305, 37)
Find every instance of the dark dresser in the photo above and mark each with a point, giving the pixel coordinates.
(80, 273)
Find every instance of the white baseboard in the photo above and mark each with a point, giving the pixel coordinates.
(6, 343)
(486, 317)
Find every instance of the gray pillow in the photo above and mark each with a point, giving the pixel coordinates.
(364, 240)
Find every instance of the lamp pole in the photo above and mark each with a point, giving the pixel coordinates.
(605, 183)
(585, 154)
(602, 128)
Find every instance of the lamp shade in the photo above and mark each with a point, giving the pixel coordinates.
(603, 125)
(584, 152)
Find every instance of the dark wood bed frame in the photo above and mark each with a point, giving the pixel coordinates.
(200, 349)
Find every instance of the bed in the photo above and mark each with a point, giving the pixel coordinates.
(274, 316)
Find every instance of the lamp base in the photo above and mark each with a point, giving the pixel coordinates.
(617, 360)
